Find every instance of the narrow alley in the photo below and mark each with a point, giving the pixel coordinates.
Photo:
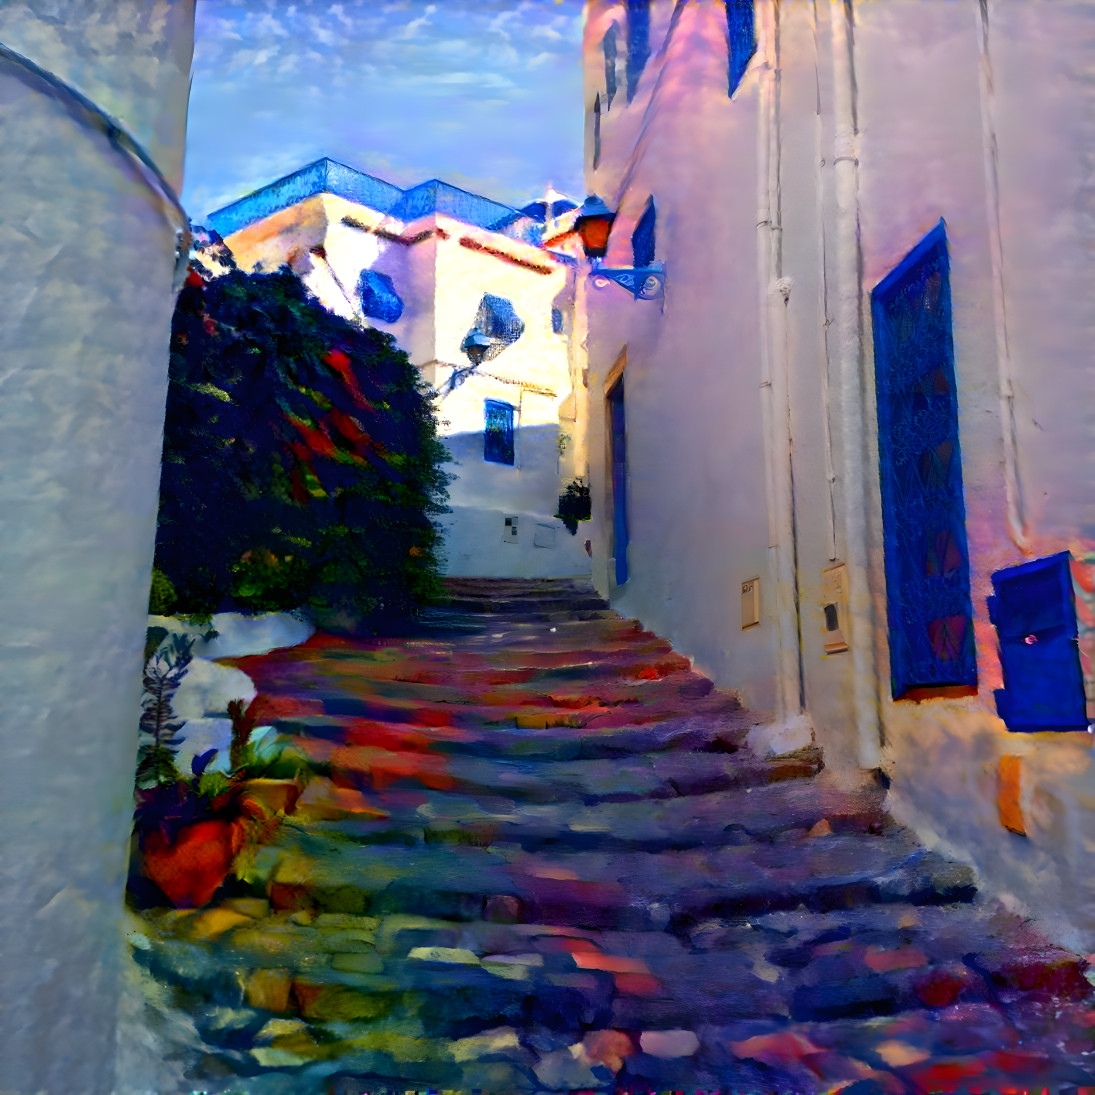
(536, 855)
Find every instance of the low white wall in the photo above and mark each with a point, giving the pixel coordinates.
(476, 546)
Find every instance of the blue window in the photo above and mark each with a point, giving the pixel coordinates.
(929, 611)
(498, 434)
(1034, 610)
(557, 321)
(378, 296)
(608, 45)
(742, 38)
(642, 239)
(638, 42)
(617, 432)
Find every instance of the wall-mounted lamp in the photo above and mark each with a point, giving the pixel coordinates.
(594, 225)
(476, 345)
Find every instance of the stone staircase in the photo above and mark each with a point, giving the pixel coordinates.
(538, 857)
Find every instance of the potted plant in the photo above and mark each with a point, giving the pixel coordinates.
(190, 828)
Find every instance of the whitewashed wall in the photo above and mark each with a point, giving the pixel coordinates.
(885, 122)
(1021, 285)
(698, 513)
(88, 251)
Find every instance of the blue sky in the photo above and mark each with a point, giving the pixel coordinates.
(485, 94)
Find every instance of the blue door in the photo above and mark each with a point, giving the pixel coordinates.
(618, 445)
(929, 611)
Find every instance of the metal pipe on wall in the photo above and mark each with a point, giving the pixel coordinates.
(847, 335)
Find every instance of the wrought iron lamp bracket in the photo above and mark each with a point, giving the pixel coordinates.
(643, 283)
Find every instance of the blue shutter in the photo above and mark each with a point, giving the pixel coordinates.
(378, 296)
(617, 426)
(930, 615)
(638, 42)
(597, 130)
(1034, 611)
(557, 321)
(742, 38)
(608, 44)
(498, 433)
(642, 239)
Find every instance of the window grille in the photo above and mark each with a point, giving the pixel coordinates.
(498, 433)
(638, 42)
(742, 38)
(930, 614)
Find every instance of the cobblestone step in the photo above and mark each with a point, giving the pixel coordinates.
(536, 855)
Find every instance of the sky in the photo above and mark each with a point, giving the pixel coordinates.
(485, 94)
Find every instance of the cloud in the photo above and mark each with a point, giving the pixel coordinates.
(477, 79)
(415, 25)
(339, 13)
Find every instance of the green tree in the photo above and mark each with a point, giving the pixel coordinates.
(301, 464)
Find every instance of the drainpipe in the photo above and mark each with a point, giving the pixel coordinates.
(92, 244)
(1016, 518)
(846, 342)
(775, 291)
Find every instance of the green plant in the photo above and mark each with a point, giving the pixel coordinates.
(575, 505)
(163, 674)
(162, 597)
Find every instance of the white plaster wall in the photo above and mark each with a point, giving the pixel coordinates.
(532, 374)
(1044, 113)
(922, 156)
(698, 513)
(930, 111)
(85, 313)
(807, 217)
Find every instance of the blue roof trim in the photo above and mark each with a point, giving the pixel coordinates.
(436, 196)
(323, 176)
(327, 176)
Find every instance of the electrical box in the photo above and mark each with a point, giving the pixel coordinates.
(543, 536)
(509, 535)
(834, 606)
(750, 603)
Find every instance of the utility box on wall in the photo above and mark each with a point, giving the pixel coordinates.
(750, 603)
(1034, 612)
(834, 606)
(509, 533)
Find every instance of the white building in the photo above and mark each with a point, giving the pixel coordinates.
(866, 395)
(433, 265)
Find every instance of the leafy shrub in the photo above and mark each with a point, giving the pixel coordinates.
(575, 506)
(162, 597)
(301, 464)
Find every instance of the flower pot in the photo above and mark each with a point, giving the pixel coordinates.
(190, 869)
(278, 796)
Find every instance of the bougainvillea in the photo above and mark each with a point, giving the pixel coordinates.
(301, 464)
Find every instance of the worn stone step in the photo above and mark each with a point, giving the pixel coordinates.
(721, 730)
(373, 768)
(628, 890)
